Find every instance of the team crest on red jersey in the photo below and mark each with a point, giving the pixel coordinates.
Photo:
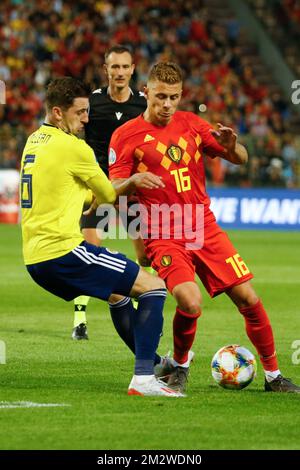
(175, 153)
(166, 260)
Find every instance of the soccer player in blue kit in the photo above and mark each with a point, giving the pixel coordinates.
(57, 170)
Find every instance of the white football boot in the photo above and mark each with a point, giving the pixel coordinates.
(148, 386)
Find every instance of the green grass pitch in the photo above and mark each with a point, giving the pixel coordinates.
(45, 366)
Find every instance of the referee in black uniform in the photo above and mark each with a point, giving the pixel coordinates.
(110, 107)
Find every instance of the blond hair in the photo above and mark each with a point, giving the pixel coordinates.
(166, 72)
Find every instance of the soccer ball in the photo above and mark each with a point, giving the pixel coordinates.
(233, 367)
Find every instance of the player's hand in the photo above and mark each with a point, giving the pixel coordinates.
(147, 180)
(92, 207)
(225, 136)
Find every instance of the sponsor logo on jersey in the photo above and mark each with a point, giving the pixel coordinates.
(175, 153)
(112, 157)
(166, 260)
(119, 115)
(148, 138)
(99, 90)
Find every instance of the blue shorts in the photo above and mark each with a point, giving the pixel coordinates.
(86, 270)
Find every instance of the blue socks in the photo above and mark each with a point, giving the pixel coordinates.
(147, 328)
(122, 314)
(129, 322)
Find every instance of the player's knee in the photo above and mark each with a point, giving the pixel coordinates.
(248, 301)
(249, 298)
(189, 304)
(146, 282)
(190, 307)
(188, 297)
(153, 282)
(160, 283)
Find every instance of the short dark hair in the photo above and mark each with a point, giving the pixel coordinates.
(62, 92)
(118, 49)
(167, 72)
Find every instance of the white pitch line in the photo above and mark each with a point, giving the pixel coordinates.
(29, 404)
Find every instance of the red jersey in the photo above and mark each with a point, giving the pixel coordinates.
(174, 152)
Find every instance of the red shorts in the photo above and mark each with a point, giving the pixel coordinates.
(217, 263)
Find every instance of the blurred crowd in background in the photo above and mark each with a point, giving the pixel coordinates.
(281, 18)
(43, 39)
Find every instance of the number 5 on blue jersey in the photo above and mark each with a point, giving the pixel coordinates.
(26, 184)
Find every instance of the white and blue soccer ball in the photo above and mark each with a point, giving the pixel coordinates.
(233, 367)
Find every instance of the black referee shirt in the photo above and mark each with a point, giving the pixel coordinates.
(105, 116)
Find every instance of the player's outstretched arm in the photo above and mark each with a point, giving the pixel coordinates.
(102, 189)
(147, 180)
(235, 152)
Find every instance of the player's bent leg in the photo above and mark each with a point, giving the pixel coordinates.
(99, 272)
(122, 314)
(147, 326)
(151, 293)
(149, 270)
(142, 259)
(243, 295)
(257, 323)
(188, 298)
(145, 282)
(259, 331)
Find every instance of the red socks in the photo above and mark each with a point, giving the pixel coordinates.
(184, 331)
(258, 329)
(260, 333)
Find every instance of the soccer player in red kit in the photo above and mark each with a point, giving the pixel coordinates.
(160, 156)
